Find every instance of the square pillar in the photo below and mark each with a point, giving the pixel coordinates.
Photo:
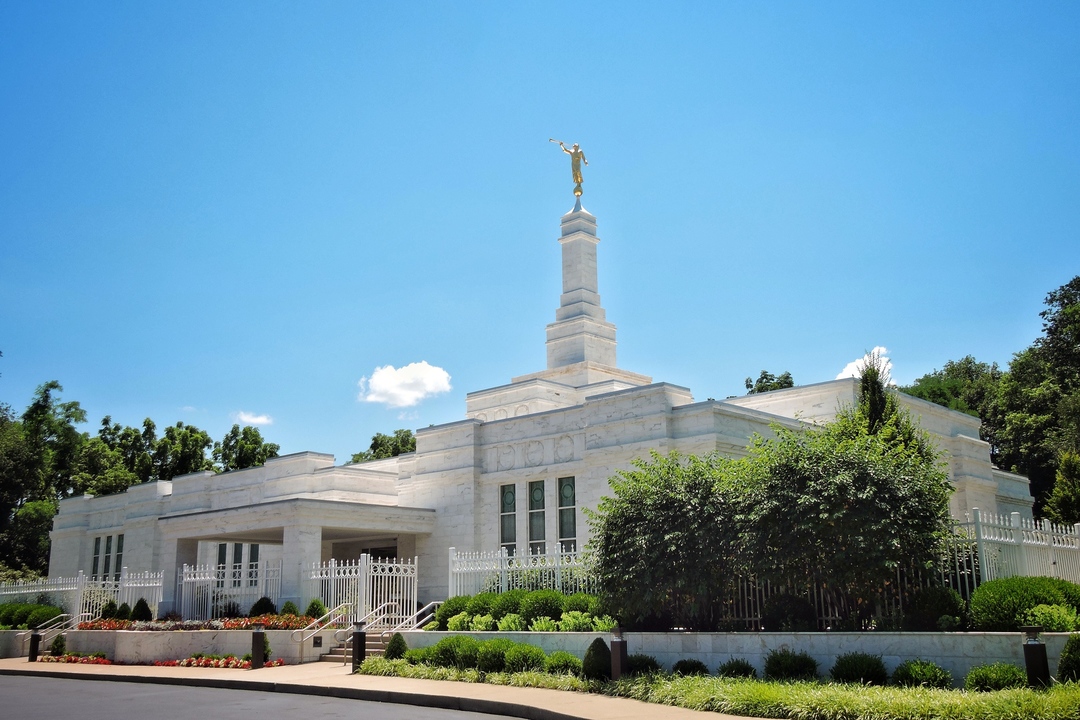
(301, 548)
(176, 552)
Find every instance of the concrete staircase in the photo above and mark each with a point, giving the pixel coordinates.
(343, 655)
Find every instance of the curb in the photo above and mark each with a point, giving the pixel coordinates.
(443, 702)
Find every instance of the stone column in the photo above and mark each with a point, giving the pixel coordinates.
(302, 547)
(175, 552)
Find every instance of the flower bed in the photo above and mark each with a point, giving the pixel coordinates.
(212, 661)
(77, 658)
(269, 622)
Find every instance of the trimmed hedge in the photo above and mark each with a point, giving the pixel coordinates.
(642, 664)
(859, 667)
(561, 662)
(736, 668)
(1001, 605)
(790, 665)
(453, 606)
(542, 603)
(922, 673)
(995, 676)
(491, 657)
(689, 666)
(521, 658)
(396, 648)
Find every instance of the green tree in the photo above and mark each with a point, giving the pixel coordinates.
(1063, 507)
(384, 446)
(53, 441)
(181, 450)
(100, 470)
(243, 449)
(664, 541)
(767, 381)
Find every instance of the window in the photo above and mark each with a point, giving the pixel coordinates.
(237, 564)
(536, 517)
(508, 518)
(108, 557)
(97, 558)
(253, 565)
(222, 558)
(118, 566)
(567, 515)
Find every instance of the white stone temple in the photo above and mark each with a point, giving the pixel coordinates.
(515, 473)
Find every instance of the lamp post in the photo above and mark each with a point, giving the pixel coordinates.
(1038, 668)
(258, 646)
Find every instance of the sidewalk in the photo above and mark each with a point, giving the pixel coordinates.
(332, 680)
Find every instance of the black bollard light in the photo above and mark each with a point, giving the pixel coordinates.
(359, 645)
(258, 646)
(35, 646)
(618, 653)
(1038, 667)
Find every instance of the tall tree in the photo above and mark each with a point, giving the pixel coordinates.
(181, 450)
(243, 449)
(1063, 507)
(767, 381)
(384, 446)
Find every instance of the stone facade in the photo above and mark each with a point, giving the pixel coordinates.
(517, 472)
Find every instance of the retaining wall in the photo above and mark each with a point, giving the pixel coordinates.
(135, 646)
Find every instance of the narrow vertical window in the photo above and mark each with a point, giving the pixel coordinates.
(253, 565)
(97, 558)
(237, 563)
(508, 518)
(119, 565)
(222, 552)
(108, 557)
(536, 517)
(567, 515)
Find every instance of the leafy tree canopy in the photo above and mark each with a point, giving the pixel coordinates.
(1063, 507)
(243, 449)
(384, 446)
(767, 381)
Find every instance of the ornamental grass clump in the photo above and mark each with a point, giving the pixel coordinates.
(561, 662)
(922, 673)
(995, 676)
(736, 668)
(787, 664)
(543, 624)
(861, 668)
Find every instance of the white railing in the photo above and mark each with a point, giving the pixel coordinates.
(416, 620)
(498, 571)
(82, 595)
(365, 584)
(1010, 545)
(206, 592)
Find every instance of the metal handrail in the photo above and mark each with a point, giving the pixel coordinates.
(413, 621)
(369, 619)
(331, 616)
(59, 625)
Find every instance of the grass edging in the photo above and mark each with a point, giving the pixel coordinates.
(801, 700)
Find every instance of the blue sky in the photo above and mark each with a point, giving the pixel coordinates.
(209, 209)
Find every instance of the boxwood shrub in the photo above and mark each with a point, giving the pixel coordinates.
(787, 664)
(522, 657)
(453, 606)
(507, 603)
(597, 662)
(491, 657)
(480, 604)
(561, 662)
(542, 603)
(995, 676)
(1069, 662)
(42, 614)
(922, 673)
(859, 667)
(736, 668)
(396, 648)
(262, 606)
(642, 664)
(689, 666)
(1001, 605)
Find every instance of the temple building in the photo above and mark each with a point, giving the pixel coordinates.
(515, 473)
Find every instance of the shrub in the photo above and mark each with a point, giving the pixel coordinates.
(736, 668)
(522, 657)
(512, 623)
(315, 608)
(507, 603)
(859, 667)
(1052, 618)
(597, 662)
(544, 624)
(433, 625)
(789, 665)
(922, 673)
(58, 646)
(995, 676)
(641, 664)
(542, 603)
(482, 623)
(491, 656)
(561, 662)
(788, 613)
(108, 610)
(7, 611)
(604, 623)
(141, 612)
(576, 621)
(1069, 662)
(689, 666)
(262, 606)
(461, 621)
(396, 648)
(453, 606)
(480, 604)
(124, 612)
(579, 602)
(1000, 605)
(459, 651)
(289, 608)
(417, 656)
(930, 605)
(41, 615)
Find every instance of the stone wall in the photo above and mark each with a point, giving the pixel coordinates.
(135, 646)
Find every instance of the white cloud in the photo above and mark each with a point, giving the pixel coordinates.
(252, 419)
(405, 386)
(188, 409)
(855, 367)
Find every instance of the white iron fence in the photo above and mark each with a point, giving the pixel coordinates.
(82, 594)
(205, 592)
(1010, 545)
(498, 571)
(367, 584)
